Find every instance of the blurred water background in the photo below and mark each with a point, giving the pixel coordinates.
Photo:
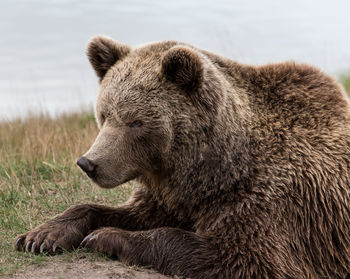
(43, 66)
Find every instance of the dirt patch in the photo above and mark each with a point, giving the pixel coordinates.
(86, 269)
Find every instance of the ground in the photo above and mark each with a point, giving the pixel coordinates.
(85, 268)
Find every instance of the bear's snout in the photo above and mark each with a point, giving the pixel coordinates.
(87, 166)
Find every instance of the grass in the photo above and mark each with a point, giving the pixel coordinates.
(345, 80)
(39, 178)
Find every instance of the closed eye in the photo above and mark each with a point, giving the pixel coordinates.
(103, 118)
(135, 124)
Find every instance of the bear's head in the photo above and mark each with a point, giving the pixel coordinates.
(157, 106)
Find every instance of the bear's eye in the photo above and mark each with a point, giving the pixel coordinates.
(103, 118)
(135, 124)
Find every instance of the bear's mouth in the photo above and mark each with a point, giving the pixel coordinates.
(112, 182)
(92, 174)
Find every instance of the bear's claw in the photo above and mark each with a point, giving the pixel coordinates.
(33, 247)
(88, 238)
(28, 246)
(19, 243)
(42, 248)
(56, 248)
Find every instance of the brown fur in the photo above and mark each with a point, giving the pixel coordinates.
(242, 171)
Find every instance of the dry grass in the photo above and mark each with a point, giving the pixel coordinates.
(39, 178)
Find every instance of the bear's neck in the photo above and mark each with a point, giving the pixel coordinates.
(214, 169)
(218, 165)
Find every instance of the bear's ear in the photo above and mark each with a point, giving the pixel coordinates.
(104, 52)
(183, 66)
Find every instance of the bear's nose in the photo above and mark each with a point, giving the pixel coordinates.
(86, 165)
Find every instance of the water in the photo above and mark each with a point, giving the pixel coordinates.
(42, 43)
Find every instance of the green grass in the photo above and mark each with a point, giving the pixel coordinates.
(345, 80)
(39, 179)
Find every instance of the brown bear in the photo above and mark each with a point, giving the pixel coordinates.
(241, 171)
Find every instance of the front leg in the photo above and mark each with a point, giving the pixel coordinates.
(67, 230)
(63, 232)
(171, 251)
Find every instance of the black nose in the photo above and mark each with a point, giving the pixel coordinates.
(86, 165)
